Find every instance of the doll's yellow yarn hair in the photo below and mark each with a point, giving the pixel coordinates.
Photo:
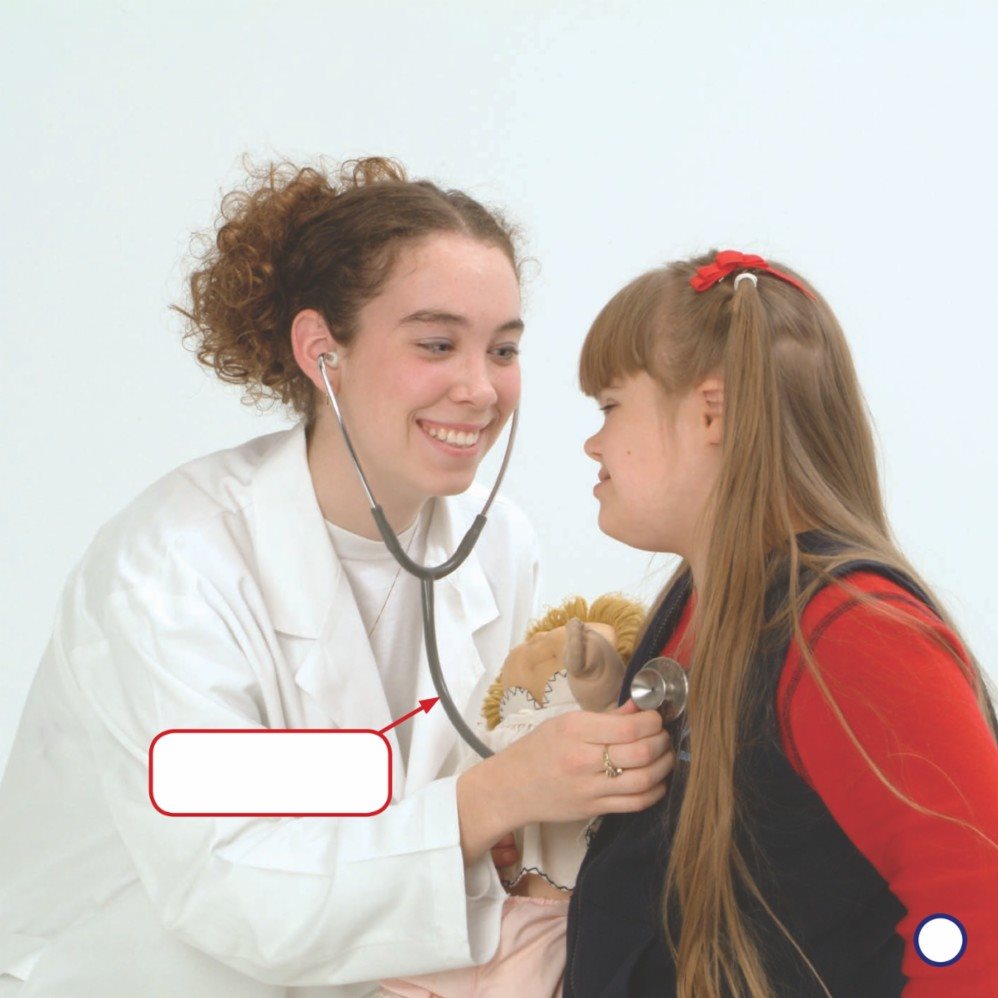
(624, 615)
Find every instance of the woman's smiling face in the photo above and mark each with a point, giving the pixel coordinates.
(433, 372)
(659, 458)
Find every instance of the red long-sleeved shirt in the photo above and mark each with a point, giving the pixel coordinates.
(914, 713)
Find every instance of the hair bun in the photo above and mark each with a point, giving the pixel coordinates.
(372, 170)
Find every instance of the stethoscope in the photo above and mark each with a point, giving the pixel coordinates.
(657, 683)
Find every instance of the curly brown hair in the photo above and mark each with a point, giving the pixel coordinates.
(310, 237)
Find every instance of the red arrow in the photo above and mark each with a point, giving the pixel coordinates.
(424, 705)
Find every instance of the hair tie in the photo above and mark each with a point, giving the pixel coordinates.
(746, 276)
(728, 261)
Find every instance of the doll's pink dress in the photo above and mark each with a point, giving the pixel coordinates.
(529, 963)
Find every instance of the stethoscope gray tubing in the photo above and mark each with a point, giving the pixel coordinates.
(427, 574)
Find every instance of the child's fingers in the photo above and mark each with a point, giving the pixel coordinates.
(504, 852)
(502, 860)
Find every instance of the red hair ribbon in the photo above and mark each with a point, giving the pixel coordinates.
(728, 261)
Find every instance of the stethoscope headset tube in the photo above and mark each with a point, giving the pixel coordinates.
(427, 574)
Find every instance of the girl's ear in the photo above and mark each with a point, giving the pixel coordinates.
(711, 396)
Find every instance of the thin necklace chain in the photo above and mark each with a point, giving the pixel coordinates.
(391, 589)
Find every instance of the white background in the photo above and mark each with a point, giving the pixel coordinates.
(857, 144)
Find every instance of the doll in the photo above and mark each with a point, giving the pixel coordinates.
(574, 657)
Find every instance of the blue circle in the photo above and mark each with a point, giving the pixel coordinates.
(954, 921)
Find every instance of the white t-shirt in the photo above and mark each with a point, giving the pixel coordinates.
(388, 600)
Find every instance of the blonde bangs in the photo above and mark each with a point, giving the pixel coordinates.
(622, 337)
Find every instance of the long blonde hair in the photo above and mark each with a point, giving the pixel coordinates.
(798, 449)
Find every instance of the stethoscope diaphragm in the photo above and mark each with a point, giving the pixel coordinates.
(661, 684)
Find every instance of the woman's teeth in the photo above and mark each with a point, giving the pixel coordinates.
(453, 437)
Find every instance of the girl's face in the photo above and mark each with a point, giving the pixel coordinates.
(658, 460)
(433, 372)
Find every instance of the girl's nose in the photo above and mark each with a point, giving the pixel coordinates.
(591, 447)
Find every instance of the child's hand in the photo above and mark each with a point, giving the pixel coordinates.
(504, 852)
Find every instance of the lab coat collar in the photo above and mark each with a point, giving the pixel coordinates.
(309, 596)
(298, 573)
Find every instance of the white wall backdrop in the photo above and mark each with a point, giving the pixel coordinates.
(857, 143)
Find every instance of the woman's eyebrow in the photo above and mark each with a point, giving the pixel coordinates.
(450, 318)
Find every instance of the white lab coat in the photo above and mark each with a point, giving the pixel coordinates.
(216, 600)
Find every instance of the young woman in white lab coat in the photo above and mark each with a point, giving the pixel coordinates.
(249, 589)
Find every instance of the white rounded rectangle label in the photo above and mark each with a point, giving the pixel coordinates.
(227, 772)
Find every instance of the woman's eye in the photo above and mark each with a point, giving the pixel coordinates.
(507, 353)
(436, 346)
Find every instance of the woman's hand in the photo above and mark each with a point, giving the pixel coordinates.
(557, 773)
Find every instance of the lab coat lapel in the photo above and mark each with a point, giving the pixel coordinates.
(341, 675)
(464, 603)
(308, 594)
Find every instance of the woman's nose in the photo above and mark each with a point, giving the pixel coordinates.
(476, 386)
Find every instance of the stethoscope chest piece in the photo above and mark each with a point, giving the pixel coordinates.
(661, 684)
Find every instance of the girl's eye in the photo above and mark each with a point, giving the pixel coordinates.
(607, 406)
(437, 346)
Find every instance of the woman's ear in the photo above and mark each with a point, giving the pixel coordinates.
(310, 337)
(711, 395)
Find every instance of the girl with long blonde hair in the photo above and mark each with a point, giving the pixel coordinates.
(835, 796)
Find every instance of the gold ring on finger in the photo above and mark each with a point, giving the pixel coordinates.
(608, 767)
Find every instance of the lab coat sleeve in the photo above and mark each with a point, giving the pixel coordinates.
(284, 900)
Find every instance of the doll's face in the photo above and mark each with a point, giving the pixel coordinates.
(532, 663)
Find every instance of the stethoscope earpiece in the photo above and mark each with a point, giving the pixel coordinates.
(661, 684)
